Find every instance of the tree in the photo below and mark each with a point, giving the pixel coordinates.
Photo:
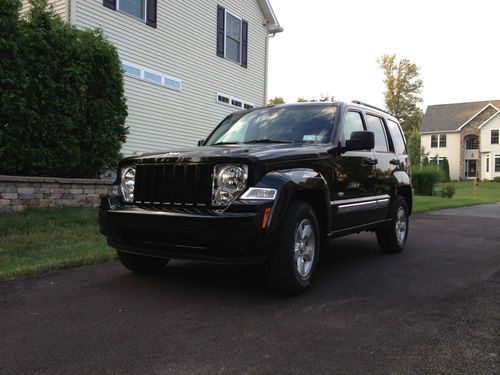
(403, 89)
(276, 100)
(62, 103)
(414, 149)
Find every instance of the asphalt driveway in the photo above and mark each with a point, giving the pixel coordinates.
(432, 309)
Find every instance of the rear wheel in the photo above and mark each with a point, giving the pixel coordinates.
(293, 260)
(141, 263)
(393, 235)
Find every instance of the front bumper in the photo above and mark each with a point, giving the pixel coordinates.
(187, 233)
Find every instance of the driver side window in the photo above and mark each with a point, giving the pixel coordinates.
(352, 123)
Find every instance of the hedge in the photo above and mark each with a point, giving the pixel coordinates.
(62, 103)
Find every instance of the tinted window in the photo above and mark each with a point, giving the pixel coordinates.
(352, 123)
(397, 137)
(375, 125)
(295, 124)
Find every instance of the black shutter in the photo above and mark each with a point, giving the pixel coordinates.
(244, 44)
(151, 13)
(220, 30)
(111, 4)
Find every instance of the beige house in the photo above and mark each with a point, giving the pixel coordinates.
(467, 134)
(187, 64)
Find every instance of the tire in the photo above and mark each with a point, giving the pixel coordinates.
(393, 235)
(289, 271)
(141, 263)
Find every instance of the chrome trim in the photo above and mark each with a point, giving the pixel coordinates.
(356, 200)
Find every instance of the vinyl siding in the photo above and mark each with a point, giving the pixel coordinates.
(489, 149)
(451, 151)
(183, 46)
(60, 7)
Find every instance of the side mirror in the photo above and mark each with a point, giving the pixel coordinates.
(364, 140)
(200, 142)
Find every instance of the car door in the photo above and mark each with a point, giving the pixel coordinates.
(387, 163)
(354, 179)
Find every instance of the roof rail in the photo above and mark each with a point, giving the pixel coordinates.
(371, 106)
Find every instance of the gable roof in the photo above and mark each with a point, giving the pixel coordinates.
(272, 22)
(450, 117)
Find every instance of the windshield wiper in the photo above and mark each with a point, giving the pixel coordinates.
(265, 140)
(225, 143)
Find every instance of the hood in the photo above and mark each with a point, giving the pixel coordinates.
(252, 152)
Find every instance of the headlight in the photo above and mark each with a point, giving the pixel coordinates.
(229, 182)
(127, 183)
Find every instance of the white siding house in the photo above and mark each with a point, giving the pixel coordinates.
(467, 135)
(187, 64)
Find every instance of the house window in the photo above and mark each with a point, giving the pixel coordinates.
(487, 164)
(232, 37)
(442, 140)
(149, 75)
(497, 163)
(145, 10)
(434, 140)
(494, 136)
(232, 101)
(471, 143)
(133, 7)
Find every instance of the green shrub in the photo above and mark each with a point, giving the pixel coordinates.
(447, 190)
(444, 166)
(496, 179)
(62, 104)
(424, 178)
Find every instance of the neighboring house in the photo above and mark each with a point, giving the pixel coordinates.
(187, 64)
(467, 134)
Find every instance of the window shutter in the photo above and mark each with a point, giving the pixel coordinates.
(111, 4)
(244, 43)
(151, 13)
(220, 30)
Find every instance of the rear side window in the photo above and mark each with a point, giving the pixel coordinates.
(397, 137)
(375, 125)
(352, 123)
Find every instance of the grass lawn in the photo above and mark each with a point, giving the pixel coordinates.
(488, 192)
(42, 240)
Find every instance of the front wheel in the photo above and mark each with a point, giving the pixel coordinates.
(292, 262)
(141, 263)
(393, 235)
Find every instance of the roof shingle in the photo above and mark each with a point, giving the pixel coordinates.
(449, 117)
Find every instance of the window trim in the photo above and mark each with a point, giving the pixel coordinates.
(498, 136)
(441, 136)
(437, 140)
(232, 99)
(144, 70)
(469, 138)
(497, 157)
(144, 8)
(225, 36)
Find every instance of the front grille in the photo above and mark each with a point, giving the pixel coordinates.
(173, 184)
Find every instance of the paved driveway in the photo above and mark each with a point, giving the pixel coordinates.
(432, 309)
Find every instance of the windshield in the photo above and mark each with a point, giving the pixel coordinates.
(299, 124)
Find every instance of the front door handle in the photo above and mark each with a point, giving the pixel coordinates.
(371, 161)
(394, 161)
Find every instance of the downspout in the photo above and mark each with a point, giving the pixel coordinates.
(266, 68)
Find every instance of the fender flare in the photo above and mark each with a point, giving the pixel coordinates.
(288, 183)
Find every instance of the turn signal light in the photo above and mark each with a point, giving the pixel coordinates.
(265, 219)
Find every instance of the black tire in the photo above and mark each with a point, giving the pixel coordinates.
(282, 265)
(389, 237)
(141, 263)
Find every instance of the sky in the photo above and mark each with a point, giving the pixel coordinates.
(330, 47)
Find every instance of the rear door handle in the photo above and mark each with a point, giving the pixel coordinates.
(394, 161)
(371, 161)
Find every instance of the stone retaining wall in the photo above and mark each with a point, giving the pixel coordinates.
(20, 192)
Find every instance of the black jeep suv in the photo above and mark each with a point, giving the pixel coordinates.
(268, 185)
